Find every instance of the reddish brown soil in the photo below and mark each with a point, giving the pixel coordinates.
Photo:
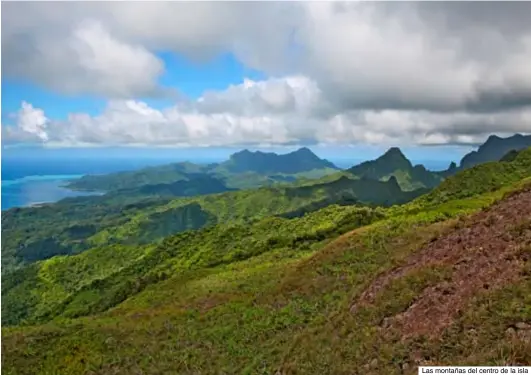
(484, 254)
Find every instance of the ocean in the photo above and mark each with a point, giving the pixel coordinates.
(26, 182)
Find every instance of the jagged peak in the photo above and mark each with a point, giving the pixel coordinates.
(420, 167)
(304, 151)
(394, 152)
(300, 151)
(242, 152)
(495, 138)
(247, 153)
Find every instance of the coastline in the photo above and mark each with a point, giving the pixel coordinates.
(39, 190)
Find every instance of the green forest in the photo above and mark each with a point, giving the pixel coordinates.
(274, 264)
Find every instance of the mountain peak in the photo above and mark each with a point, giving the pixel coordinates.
(395, 164)
(394, 152)
(305, 150)
(243, 152)
(495, 148)
(301, 160)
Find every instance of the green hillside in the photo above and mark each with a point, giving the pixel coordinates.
(200, 184)
(482, 178)
(75, 225)
(394, 163)
(327, 292)
(164, 174)
(244, 169)
(100, 278)
(302, 160)
(494, 149)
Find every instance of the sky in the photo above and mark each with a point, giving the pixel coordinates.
(347, 79)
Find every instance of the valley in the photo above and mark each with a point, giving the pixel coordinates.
(354, 270)
(265, 187)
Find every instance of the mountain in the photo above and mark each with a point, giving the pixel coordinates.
(243, 170)
(442, 280)
(511, 155)
(149, 213)
(160, 174)
(450, 171)
(481, 179)
(394, 163)
(494, 149)
(195, 185)
(302, 160)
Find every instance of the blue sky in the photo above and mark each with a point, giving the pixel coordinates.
(189, 77)
(197, 78)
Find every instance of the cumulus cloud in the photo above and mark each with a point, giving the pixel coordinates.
(89, 60)
(108, 48)
(31, 125)
(371, 72)
(245, 115)
(418, 56)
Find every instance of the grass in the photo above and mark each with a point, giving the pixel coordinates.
(258, 315)
(98, 279)
(71, 227)
(277, 295)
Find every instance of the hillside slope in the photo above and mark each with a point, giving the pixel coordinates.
(91, 282)
(163, 174)
(394, 163)
(195, 185)
(302, 160)
(244, 169)
(72, 227)
(444, 280)
(494, 149)
(481, 179)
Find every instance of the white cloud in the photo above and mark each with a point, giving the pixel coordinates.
(240, 116)
(89, 60)
(107, 48)
(31, 125)
(375, 72)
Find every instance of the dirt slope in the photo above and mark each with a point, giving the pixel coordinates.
(486, 251)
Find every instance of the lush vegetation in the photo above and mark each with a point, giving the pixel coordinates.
(100, 278)
(481, 179)
(195, 185)
(494, 149)
(165, 174)
(154, 204)
(273, 295)
(302, 160)
(261, 281)
(244, 169)
(76, 225)
(394, 163)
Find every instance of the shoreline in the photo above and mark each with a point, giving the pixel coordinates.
(53, 189)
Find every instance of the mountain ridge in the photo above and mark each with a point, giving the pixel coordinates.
(301, 160)
(338, 288)
(494, 148)
(394, 163)
(243, 169)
